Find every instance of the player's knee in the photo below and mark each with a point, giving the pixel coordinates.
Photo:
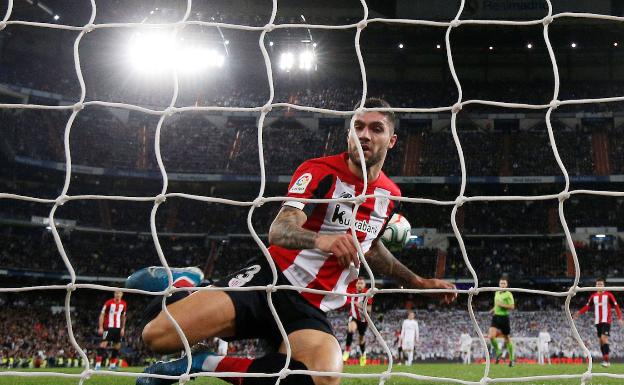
(326, 363)
(326, 380)
(326, 367)
(153, 336)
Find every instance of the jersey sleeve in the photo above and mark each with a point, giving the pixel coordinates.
(104, 307)
(618, 311)
(309, 181)
(510, 299)
(585, 308)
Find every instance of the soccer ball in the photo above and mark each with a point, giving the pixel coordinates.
(397, 233)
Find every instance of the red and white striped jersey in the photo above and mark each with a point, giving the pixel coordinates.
(603, 303)
(358, 306)
(112, 313)
(330, 177)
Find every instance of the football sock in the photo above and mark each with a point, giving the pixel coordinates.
(495, 347)
(271, 363)
(349, 341)
(604, 348)
(510, 349)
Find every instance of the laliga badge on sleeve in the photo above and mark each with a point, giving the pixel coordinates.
(301, 183)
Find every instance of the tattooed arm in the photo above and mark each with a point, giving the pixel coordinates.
(381, 260)
(287, 231)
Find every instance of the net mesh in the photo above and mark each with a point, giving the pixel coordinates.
(159, 199)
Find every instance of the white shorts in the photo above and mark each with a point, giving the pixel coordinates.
(407, 346)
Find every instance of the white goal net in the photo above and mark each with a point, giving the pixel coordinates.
(164, 114)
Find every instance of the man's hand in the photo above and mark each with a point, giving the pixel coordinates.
(575, 315)
(341, 246)
(100, 331)
(434, 283)
(122, 332)
(621, 322)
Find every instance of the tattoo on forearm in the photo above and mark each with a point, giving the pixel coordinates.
(286, 230)
(383, 262)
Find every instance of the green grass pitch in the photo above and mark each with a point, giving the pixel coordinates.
(458, 371)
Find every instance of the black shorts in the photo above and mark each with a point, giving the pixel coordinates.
(501, 322)
(362, 326)
(603, 328)
(253, 315)
(112, 335)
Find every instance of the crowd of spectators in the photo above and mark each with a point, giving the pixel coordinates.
(209, 144)
(442, 343)
(117, 255)
(35, 330)
(35, 333)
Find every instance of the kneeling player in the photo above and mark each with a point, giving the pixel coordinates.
(357, 320)
(312, 247)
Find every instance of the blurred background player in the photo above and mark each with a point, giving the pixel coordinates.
(222, 346)
(603, 302)
(357, 320)
(112, 328)
(465, 347)
(543, 349)
(503, 303)
(410, 335)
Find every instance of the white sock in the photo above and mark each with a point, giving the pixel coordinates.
(211, 363)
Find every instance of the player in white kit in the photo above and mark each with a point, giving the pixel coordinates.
(465, 346)
(222, 346)
(543, 339)
(409, 335)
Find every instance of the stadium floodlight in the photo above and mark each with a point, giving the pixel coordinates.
(601, 236)
(56, 17)
(306, 60)
(155, 52)
(438, 46)
(314, 45)
(194, 59)
(529, 46)
(227, 42)
(401, 45)
(573, 45)
(270, 44)
(151, 52)
(615, 44)
(287, 61)
(491, 48)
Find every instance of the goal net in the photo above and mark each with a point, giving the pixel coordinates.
(171, 110)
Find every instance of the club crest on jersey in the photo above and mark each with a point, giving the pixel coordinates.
(301, 183)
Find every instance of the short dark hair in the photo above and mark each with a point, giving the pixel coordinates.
(380, 103)
(601, 279)
(504, 277)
